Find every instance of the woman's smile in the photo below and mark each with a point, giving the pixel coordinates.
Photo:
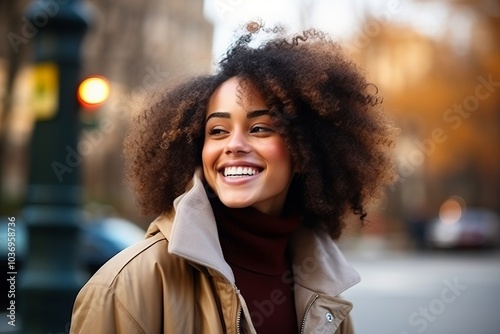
(239, 171)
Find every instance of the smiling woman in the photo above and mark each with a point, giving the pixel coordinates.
(251, 172)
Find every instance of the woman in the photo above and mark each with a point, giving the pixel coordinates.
(284, 142)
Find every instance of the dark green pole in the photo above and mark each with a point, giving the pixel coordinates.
(50, 278)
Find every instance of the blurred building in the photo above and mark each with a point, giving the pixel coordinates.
(131, 39)
(138, 46)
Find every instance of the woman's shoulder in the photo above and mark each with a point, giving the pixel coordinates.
(129, 290)
(140, 264)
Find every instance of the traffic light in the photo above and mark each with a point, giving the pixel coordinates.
(93, 91)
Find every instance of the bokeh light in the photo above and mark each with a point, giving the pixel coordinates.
(452, 209)
(93, 91)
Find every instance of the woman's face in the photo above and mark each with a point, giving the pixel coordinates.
(245, 161)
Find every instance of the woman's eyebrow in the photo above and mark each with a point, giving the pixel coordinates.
(250, 114)
(257, 113)
(218, 114)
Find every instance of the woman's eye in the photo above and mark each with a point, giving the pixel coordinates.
(258, 128)
(216, 131)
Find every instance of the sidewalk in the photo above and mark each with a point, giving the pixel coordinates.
(372, 246)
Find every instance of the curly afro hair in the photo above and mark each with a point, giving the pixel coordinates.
(327, 113)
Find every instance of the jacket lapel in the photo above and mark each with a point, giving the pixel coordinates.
(192, 232)
(319, 264)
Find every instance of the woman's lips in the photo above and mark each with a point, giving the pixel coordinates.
(236, 175)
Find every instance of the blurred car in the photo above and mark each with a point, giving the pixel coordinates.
(100, 239)
(473, 228)
(103, 238)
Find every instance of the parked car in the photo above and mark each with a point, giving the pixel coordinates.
(473, 228)
(100, 239)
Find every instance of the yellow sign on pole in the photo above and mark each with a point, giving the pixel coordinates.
(46, 91)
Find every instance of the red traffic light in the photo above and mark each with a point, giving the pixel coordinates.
(93, 91)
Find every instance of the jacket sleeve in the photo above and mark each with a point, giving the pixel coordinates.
(97, 310)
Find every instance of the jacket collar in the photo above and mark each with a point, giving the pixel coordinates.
(319, 265)
(192, 234)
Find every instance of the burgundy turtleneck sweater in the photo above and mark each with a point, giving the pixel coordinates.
(256, 247)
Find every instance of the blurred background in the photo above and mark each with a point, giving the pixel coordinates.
(435, 62)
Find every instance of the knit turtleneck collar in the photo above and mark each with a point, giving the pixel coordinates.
(252, 240)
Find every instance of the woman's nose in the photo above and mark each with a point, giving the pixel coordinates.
(238, 144)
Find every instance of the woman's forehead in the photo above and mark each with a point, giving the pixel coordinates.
(236, 93)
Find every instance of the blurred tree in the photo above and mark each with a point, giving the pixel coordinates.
(444, 93)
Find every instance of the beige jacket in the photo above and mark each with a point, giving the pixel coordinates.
(177, 281)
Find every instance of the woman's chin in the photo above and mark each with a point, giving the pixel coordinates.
(235, 203)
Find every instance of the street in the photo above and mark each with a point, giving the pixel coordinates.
(432, 292)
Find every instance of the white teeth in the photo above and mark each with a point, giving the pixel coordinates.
(239, 171)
